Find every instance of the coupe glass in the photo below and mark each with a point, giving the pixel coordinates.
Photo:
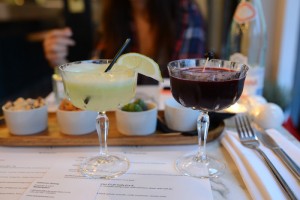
(205, 85)
(88, 87)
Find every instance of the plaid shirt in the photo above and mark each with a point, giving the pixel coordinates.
(191, 41)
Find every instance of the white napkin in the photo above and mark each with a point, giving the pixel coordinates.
(256, 175)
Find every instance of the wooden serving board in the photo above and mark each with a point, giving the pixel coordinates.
(53, 137)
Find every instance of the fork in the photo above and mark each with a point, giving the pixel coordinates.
(249, 139)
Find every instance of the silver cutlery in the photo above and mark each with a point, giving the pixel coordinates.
(271, 144)
(249, 139)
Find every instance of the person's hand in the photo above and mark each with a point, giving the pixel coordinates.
(56, 45)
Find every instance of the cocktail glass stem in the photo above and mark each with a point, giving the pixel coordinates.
(202, 128)
(102, 124)
(104, 165)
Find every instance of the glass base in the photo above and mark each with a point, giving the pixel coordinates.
(105, 167)
(190, 165)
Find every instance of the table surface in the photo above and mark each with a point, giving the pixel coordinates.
(229, 186)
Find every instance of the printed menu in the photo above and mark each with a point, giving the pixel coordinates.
(152, 175)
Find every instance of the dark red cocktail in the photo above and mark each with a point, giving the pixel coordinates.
(214, 87)
(208, 89)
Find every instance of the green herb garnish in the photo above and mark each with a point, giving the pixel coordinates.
(137, 106)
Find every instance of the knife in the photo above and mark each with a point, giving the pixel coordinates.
(271, 144)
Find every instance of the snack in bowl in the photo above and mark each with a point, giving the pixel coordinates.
(74, 121)
(136, 106)
(137, 118)
(67, 106)
(26, 116)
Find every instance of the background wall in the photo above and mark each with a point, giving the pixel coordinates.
(24, 71)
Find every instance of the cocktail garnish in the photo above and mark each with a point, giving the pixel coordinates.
(87, 99)
(205, 64)
(141, 64)
(209, 55)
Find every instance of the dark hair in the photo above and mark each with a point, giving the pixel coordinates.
(116, 25)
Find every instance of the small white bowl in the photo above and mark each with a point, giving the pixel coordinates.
(26, 122)
(178, 117)
(137, 123)
(76, 122)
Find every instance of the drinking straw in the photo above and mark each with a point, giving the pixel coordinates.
(118, 54)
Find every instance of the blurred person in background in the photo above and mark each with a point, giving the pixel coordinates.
(163, 30)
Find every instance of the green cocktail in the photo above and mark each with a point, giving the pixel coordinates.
(90, 88)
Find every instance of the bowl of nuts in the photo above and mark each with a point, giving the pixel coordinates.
(137, 118)
(26, 116)
(74, 121)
